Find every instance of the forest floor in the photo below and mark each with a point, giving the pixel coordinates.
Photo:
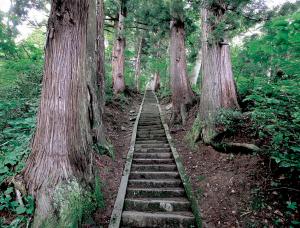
(117, 117)
(232, 189)
(228, 186)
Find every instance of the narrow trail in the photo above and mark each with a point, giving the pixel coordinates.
(155, 196)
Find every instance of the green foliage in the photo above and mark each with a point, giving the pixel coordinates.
(229, 119)
(9, 203)
(268, 77)
(229, 18)
(74, 205)
(16, 131)
(20, 78)
(106, 149)
(98, 193)
(193, 135)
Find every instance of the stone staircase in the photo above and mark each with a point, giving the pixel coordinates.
(155, 196)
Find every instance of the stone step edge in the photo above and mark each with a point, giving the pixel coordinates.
(183, 176)
(116, 216)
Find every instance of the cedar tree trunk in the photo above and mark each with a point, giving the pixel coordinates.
(69, 119)
(218, 87)
(156, 84)
(138, 64)
(100, 49)
(182, 94)
(118, 58)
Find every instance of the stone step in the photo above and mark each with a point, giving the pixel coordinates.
(141, 141)
(152, 145)
(153, 175)
(146, 127)
(152, 155)
(154, 167)
(150, 118)
(157, 204)
(159, 128)
(155, 119)
(150, 124)
(153, 150)
(150, 131)
(150, 135)
(155, 183)
(158, 220)
(158, 122)
(155, 192)
(155, 196)
(153, 161)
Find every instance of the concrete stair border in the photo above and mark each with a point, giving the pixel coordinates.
(155, 190)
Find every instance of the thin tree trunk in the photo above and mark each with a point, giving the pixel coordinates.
(118, 58)
(197, 68)
(69, 119)
(100, 49)
(218, 89)
(156, 84)
(182, 94)
(138, 64)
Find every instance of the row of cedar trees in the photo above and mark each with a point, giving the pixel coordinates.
(69, 122)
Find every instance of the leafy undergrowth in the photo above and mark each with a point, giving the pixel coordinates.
(270, 120)
(277, 197)
(267, 74)
(19, 97)
(17, 126)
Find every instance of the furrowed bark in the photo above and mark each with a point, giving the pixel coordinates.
(218, 88)
(182, 94)
(69, 117)
(118, 53)
(100, 49)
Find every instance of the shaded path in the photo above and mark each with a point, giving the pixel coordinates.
(155, 196)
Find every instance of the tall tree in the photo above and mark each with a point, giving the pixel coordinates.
(100, 49)
(118, 53)
(69, 121)
(138, 63)
(219, 20)
(182, 94)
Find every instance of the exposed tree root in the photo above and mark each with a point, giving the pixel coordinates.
(210, 137)
(232, 147)
(18, 183)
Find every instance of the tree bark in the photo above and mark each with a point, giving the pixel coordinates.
(218, 88)
(118, 58)
(101, 49)
(182, 94)
(69, 117)
(197, 68)
(138, 64)
(156, 86)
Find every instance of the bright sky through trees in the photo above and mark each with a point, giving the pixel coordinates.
(26, 29)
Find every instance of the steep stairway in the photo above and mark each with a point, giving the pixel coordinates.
(155, 196)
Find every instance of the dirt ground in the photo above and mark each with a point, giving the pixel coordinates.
(232, 189)
(222, 183)
(119, 128)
